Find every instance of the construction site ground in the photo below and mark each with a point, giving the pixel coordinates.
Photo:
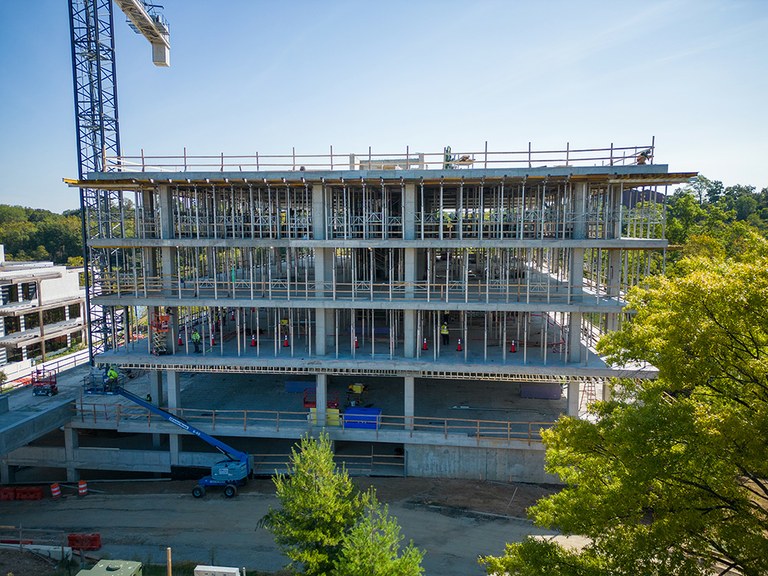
(454, 521)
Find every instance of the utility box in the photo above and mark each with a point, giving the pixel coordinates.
(114, 568)
(216, 571)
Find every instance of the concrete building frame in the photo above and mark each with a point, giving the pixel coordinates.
(321, 272)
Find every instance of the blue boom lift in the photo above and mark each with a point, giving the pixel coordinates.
(229, 473)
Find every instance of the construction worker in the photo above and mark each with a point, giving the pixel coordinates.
(196, 339)
(111, 379)
(444, 334)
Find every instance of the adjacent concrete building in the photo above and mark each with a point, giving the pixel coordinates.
(41, 311)
(431, 311)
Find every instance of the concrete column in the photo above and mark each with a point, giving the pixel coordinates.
(606, 391)
(409, 212)
(70, 445)
(576, 275)
(174, 397)
(614, 285)
(321, 397)
(409, 316)
(66, 317)
(320, 332)
(318, 211)
(573, 399)
(22, 327)
(156, 391)
(574, 337)
(409, 401)
(617, 209)
(156, 387)
(7, 473)
(580, 211)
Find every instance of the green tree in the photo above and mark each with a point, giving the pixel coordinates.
(372, 547)
(670, 478)
(319, 506)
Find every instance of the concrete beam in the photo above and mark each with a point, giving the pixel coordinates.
(20, 427)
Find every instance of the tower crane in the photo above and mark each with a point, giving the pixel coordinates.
(98, 134)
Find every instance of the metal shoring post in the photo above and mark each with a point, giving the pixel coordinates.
(288, 271)
(465, 252)
(421, 208)
(352, 332)
(504, 339)
(179, 269)
(429, 272)
(419, 332)
(465, 333)
(353, 264)
(371, 257)
(435, 339)
(545, 329)
(447, 272)
(366, 211)
(373, 334)
(391, 269)
(251, 279)
(502, 211)
(460, 212)
(392, 334)
(256, 313)
(345, 211)
(222, 312)
(291, 319)
(237, 333)
(507, 252)
(215, 212)
(481, 207)
(528, 276)
(488, 264)
(440, 216)
(384, 215)
(269, 271)
(231, 209)
(215, 274)
(521, 225)
(485, 336)
(333, 274)
(526, 321)
(276, 328)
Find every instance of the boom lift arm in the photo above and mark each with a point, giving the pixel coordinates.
(228, 473)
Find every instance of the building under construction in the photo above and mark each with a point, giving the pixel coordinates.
(431, 311)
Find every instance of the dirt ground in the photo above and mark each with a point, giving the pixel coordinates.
(447, 495)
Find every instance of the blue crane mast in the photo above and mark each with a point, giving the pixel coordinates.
(98, 137)
(229, 473)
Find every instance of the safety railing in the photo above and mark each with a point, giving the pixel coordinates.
(280, 420)
(475, 289)
(445, 160)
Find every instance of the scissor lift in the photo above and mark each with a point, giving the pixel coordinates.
(44, 383)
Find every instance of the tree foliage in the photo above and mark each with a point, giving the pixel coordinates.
(35, 234)
(671, 477)
(372, 547)
(326, 526)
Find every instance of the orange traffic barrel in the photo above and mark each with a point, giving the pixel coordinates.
(82, 488)
(55, 490)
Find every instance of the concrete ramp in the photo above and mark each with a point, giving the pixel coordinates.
(22, 426)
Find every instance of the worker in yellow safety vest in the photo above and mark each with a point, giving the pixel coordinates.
(196, 339)
(444, 333)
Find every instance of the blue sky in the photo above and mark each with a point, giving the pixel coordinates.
(252, 75)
